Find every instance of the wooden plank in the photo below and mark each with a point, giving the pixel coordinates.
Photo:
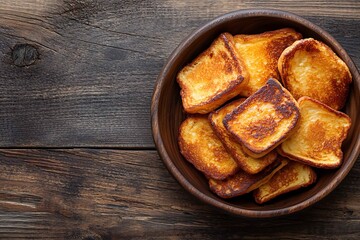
(115, 194)
(97, 63)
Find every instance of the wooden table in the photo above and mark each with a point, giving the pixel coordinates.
(77, 159)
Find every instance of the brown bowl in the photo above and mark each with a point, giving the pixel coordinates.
(167, 113)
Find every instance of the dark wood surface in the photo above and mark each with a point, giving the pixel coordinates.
(77, 160)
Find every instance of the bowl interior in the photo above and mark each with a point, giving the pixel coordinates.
(168, 114)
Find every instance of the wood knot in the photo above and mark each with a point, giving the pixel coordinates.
(24, 55)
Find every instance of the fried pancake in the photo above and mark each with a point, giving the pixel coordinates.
(310, 68)
(242, 182)
(317, 141)
(261, 53)
(200, 146)
(264, 120)
(291, 177)
(213, 78)
(247, 163)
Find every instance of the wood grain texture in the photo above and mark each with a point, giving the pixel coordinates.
(91, 86)
(115, 194)
(98, 61)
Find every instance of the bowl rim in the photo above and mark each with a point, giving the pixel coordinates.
(161, 79)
